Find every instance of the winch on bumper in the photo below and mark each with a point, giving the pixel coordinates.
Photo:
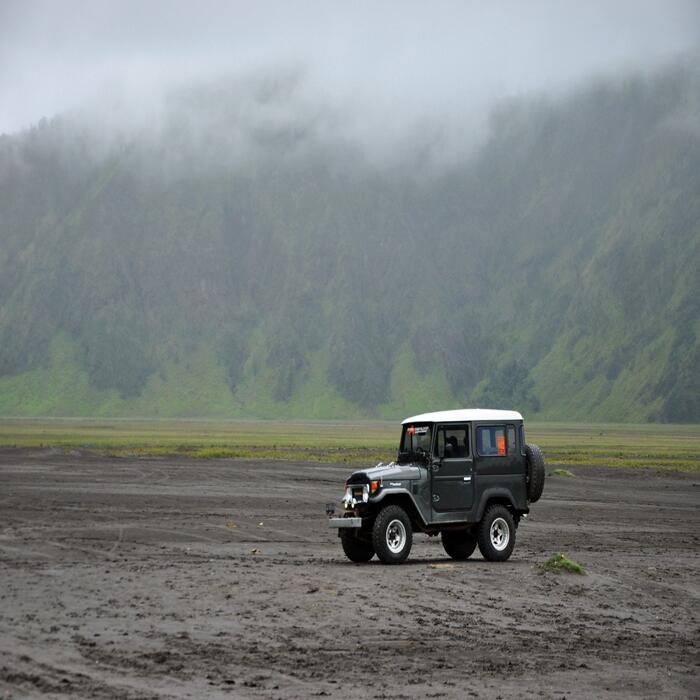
(355, 500)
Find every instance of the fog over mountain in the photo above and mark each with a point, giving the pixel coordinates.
(387, 70)
(312, 210)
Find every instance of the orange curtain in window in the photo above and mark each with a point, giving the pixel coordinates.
(501, 444)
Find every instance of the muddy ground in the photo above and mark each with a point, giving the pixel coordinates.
(158, 578)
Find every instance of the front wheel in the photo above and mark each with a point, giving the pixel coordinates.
(356, 550)
(392, 535)
(496, 535)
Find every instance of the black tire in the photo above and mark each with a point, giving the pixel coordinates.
(496, 534)
(535, 472)
(356, 550)
(459, 544)
(392, 535)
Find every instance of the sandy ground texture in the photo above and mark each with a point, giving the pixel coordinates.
(159, 578)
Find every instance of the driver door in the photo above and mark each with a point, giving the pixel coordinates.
(452, 468)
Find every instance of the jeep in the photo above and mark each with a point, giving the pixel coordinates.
(467, 475)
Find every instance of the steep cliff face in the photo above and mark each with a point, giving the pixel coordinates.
(175, 273)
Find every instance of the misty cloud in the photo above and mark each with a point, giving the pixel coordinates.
(379, 73)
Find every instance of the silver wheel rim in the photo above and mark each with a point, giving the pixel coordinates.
(500, 534)
(395, 536)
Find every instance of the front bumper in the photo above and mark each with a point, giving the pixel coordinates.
(345, 522)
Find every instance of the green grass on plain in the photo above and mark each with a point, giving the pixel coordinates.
(674, 447)
(316, 441)
(560, 563)
(560, 471)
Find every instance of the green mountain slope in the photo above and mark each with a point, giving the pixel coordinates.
(209, 268)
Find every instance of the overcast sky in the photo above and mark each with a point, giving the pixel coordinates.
(386, 64)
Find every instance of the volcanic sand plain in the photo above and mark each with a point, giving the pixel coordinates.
(165, 576)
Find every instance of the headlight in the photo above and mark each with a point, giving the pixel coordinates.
(354, 494)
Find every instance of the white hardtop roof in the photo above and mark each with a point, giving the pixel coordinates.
(464, 415)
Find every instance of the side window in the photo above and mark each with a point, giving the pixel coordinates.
(510, 434)
(455, 439)
(491, 441)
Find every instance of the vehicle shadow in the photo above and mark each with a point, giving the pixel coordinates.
(439, 562)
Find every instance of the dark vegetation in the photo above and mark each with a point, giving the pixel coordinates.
(203, 267)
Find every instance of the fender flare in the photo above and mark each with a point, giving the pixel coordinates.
(494, 493)
(403, 493)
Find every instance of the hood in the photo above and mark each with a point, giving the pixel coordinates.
(382, 472)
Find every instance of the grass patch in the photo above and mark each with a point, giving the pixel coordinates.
(560, 472)
(565, 445)
(349, 455)
(656, 446)
(558, 563)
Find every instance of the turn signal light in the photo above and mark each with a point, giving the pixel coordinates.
(373, 486)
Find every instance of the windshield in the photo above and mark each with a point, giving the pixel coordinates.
(415, 442)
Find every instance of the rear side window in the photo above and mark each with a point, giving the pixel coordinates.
(510, 435)
(491, 441)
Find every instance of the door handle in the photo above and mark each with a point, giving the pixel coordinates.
(467, 478)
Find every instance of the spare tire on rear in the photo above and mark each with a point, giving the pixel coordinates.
(535, 472)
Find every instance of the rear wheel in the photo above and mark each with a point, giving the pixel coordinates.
(356, 550)
(392, 535)
(459, 544)
(496, 536)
